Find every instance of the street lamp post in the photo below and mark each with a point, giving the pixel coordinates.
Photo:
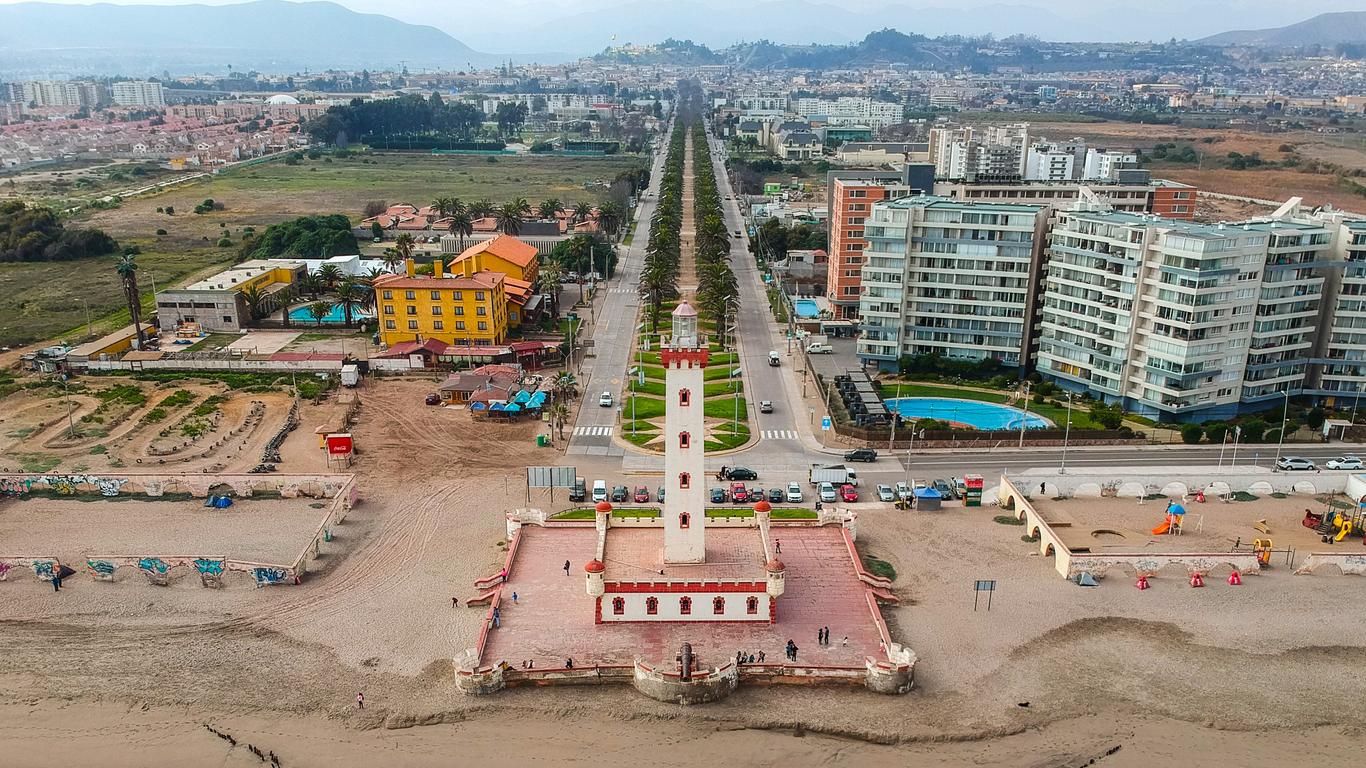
(1285, 414)
(1024, 418)
(1237, 435)
(1222, 447)
(1066, 432)
(896, 414)
(70, 422)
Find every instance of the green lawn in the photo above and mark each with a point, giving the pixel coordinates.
(650, 387)
(778, 513)
(715, 372)
(645, 407)
(723, 408)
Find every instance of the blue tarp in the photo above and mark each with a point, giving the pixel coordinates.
(522, 397)
(477, 406)
(513, 407)
(497, 407)
(928, 493)
(537, 400)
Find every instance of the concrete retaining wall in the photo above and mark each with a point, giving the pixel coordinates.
(1134, 482)
(1325, 562)
(704, 686)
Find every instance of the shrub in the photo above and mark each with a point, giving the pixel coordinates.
(1216, 432)
(1253, 430)
(1191, 433)
(1315, 418)
(224, 242)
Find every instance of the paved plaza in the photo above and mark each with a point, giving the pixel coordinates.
(553, 616)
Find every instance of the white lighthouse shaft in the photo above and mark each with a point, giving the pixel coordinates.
(684, 482)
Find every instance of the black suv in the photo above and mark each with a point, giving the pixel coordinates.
(861, 454)
(579, 492)
(619, 493)
(737, 473)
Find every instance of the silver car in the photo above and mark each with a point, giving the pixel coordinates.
(794, 494)
(1294, 463)
(1345, 462)
(828, 494)
(884, 493)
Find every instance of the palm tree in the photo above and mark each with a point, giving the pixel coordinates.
(523, 207)
(582, 212)
(550, 275)
(609, 217)
(330, 275)
(127, 269)
(480, 209)
(565, 385)
(559, 414)
(391, 260)
(462, 226)
(548, 208)
(509, 218)
(319, 310)
(374, 274)
(447, 206)
(312, 285)
(403, 246)
(350, 294)
(659, 282)
(255, 299)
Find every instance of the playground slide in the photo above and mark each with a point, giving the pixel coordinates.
(1344, 532)
(1161, 529)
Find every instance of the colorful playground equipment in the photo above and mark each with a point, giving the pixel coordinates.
(1262, 549)
(1172, 524)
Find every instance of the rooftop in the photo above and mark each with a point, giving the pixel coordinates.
(475, 281)
(228, 279)
(933, 201)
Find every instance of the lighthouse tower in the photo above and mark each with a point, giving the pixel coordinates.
(684, 356)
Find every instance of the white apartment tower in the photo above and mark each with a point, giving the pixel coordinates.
(684, 357)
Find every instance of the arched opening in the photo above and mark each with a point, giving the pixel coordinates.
(684, 479)
(684, 396)
(1048, 550)
(718, 605)
(651, 605)
(752, 605)
(684, 440)
(618, 606)
(683, 519)
(685, 606)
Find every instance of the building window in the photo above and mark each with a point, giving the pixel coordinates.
(227, 318)
(684, 479)
(412, 325)
(436, 295)
(478, 295)
(483, 326)
(388, 294)
(411, 309)
(685, 606)
(618, 606)
(481, 311)
(718, 605)
(752, 605)
(409, 295)
(459, 325)
(389, 325)
(652, 605)
(684, 396)
(438, 325)
(684, 440)
(459, 310)
(388, 309)
(683, 520)
(436, 310)
(457, 295)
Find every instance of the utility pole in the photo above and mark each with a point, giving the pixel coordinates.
(1067, 431)
(1285, 413)
(1024, 418)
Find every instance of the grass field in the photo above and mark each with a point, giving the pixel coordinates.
(44, 300)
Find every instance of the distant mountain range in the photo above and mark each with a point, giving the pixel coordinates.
(267, 35)
(1324, 29)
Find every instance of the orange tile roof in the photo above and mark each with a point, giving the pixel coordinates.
(505, 247)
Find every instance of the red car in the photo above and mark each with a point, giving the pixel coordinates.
(642, 495)
(738, 494)
(848, 493)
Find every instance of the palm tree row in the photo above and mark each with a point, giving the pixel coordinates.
(659, 273)
(511, 215)
(717, 288)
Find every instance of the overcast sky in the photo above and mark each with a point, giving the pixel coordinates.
(471, 20)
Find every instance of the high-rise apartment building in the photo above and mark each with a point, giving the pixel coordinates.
(950, 278)
(139, 93)
(55, 93)
(851, 110)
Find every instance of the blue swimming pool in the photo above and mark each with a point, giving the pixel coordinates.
(334, 316)
(806, 308)
(971, 412)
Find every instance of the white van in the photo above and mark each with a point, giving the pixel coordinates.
(599, 491)
(773, 358)
(819, 348)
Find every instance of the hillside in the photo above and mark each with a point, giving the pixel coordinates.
(271, 35)
(1324, 29)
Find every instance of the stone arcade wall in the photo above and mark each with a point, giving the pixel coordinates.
(210, 567)
(1069, 565)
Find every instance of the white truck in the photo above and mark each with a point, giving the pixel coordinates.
(835, 474)
(350, 375)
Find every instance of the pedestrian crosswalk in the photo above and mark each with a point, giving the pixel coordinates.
(593, 431)
(779, 434)
(622, 289)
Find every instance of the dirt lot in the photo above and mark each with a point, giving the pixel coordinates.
(1167, 675)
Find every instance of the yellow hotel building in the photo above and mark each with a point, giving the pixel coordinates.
(466, 310)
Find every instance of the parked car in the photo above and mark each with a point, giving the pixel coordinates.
(794, 494)
(827, 493)
(776, 495)
(765, 406)
(848, 493)
(619, 493)
(944, 489)
(738, 494)
(433, 399)
(756, 493)
(884, 493)
(605, 400)
(773, 359)
(861, 454)
(737, 473)
(642, 495)
(718, 495)
(659, 494)
(579, 492)
(599, 491)
(1345, 462)
(1294, 463)
(819, 348)
(903, 491)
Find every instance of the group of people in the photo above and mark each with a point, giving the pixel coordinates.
(749, 658)
(823, 637)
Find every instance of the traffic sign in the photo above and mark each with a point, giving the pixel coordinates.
(825, 423)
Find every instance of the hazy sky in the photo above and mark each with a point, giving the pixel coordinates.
(484, 25)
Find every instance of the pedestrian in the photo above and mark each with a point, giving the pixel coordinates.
(568, 662)
(514, 598)
(761, 657)
(827, 635)
(497, 618)
(778, 546)
(566, 567)
(360, 701)
(1041, 488)
(820, 636)
(530, 663)
(794, 651)
(751, 658)
(455, 602)
(844, 642)
(56, 582)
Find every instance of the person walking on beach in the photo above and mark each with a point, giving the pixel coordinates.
(455, 602)
(566, 567)
(56, 581)
(360, 701)
(514, 598)
(497, 618)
